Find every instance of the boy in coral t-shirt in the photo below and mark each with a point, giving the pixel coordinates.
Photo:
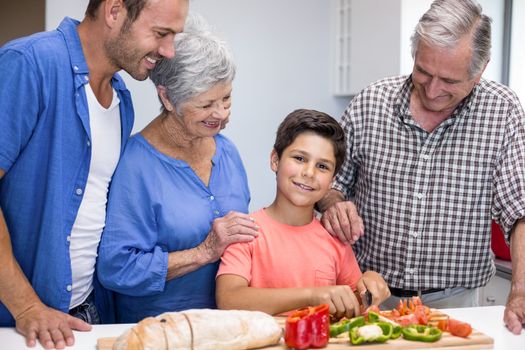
(295, 262)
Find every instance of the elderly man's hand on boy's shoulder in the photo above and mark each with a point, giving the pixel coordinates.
(341, 299)
(341, 218)
(374, 283)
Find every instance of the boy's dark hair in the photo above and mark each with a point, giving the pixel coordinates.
(309, 120)
(134, 8)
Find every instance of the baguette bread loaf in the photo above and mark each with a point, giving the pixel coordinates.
(202, 329)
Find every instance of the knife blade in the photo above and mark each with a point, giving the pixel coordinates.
(366, 299)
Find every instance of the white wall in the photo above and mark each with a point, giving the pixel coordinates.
(283, 50)
(517, 57)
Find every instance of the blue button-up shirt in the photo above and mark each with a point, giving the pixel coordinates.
(159, 205)
(45, 153)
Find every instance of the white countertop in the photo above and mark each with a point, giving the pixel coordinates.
(487, 319)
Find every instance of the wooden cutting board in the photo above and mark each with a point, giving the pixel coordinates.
(476, 340)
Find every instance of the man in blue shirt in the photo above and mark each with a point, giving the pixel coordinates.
(65, 116)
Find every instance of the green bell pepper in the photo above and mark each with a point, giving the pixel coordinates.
(421, 333)
(345, 325)
(378, 332)
(396, 332)
(374, 317)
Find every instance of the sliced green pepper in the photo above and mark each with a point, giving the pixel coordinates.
(373, 317)
(421, 333)
(345, 325)
(396, 332)
(378, 332)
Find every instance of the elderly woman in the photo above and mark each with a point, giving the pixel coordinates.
(180, 191)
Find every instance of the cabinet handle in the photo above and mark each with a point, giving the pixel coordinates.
(491, 300)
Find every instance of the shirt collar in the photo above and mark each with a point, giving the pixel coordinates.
(402, 105)
(68, 28)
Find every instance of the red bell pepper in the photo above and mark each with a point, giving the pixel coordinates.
(308, 327)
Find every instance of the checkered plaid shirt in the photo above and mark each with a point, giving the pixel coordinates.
(427, 199)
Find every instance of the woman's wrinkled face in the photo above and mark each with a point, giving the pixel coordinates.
(206, 114)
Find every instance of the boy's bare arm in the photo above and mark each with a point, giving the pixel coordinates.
(233, 292)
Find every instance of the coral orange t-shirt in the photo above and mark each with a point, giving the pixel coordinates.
(285, 256)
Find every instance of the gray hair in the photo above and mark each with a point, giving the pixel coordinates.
(448, 21)
(201, 61)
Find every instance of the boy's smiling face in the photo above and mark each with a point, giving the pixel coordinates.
(305, 169)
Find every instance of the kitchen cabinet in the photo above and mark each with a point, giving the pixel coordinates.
(371, 40)
(498, 288)
(364, 50)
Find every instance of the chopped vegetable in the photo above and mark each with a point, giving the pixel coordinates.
(458, 328)
(378, 332)
(439, 321)
(396, 332)
(308, 327)
(422, 312)
(345, 325)
(421, 333)
(374, 317)
(407, 320)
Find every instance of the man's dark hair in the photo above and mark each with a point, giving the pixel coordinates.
(319, 123)
(134, 7)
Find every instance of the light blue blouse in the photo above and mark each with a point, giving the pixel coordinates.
(157, 205)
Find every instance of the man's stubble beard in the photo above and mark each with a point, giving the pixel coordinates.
(122, 54)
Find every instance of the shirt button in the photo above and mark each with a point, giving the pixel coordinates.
(75, 67)
(79, 191)
(88, 143)
(419, 195)
(86, 77)
(216, 212)
(414, 234)
(212, 198)
(411, 271)
(426, 156)
(68, 238)
(69, 288)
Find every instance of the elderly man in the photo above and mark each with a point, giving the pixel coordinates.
(432, 158)
(65, 116)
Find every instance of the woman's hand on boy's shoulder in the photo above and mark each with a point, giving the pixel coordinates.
(374, 283)
(232, 228)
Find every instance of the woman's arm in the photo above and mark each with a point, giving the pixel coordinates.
(233, 292)
(232, 228)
